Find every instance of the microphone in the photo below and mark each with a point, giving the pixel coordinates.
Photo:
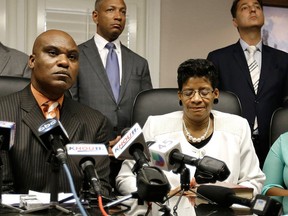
(166, 153)
(132, 146)
(7, 135)
(260, 205)
(54, 136)
(152, 183)
(85, 156)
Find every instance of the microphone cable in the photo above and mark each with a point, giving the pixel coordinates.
(72, 187)
(101, 206)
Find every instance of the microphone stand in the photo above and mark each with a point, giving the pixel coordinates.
(55, 167)
(185, 185)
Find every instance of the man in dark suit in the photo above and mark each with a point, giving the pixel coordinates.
(231, 61)
(54, 65)
(13, 62)
(93, 87)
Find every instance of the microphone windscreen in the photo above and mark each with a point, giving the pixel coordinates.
(218, 194)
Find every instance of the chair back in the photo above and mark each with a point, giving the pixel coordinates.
(164, 100)
(9, 84)
(278, 124)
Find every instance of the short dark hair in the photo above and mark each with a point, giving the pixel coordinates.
(197, 68)
(97, 3)
(234, 7)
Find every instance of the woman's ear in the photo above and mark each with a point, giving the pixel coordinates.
(179, 97)
(216, 95)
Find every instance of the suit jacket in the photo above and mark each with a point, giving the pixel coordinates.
(93, 87)
(25, 164)
(13, 62)
(272, 91)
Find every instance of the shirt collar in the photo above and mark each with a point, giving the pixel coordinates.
(244, 45)
(101, 42)
(41, 99)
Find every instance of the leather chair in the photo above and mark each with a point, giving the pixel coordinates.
(164, 100)
(9, 84)
(278, 124)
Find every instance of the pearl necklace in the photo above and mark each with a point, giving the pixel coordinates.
(193, 139)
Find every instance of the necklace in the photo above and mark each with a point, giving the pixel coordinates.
(193, 139)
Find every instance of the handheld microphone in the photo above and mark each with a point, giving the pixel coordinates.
(7, 135)
(54, 136)
(168, 152)
(152, 183)
(260, 205)
(85, 156)
(132, 146)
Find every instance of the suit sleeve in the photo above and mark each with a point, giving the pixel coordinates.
(146, 78)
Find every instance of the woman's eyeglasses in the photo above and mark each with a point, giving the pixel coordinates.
(203, 93)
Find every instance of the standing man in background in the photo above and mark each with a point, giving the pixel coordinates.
(114, 94)
(259, 78)
(13, 62)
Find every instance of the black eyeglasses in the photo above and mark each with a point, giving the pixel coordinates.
(203, 93)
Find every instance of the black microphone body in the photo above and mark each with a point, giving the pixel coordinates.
(7, 135)
(152, 183)
(88, 167)
(85, 155)
(167, 155)
(136, 150)
(54, 137)
(208, 169)
(226, 197)
(223, 196)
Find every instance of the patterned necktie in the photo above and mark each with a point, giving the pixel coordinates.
(254, 73)
(253, 67)
(112, 70)
(50, 109)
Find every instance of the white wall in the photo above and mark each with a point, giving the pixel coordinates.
(190, 29)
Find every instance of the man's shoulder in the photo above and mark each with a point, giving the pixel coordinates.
(274, 50)
(223, 50)
(131, 53)
(86, 44)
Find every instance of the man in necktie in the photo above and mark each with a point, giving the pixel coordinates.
(54, 63)
(261, 85)
(111, 93)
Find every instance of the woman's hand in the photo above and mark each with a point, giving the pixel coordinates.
(111, 144)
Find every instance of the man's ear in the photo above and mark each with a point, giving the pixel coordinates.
(31, 61)
(234, 21)
(95, 16)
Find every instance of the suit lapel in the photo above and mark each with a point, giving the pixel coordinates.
(267, 61)
(34, 116)
(92, 54)
(127, 65)
(67, 117)
(240, 59)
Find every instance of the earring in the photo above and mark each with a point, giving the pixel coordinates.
(180, 103)
(215, 101)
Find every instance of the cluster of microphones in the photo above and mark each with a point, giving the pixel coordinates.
(152, 183)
